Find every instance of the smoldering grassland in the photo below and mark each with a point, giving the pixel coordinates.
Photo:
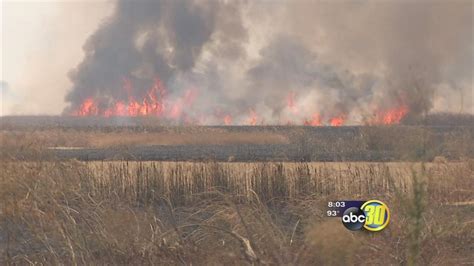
(123, 212)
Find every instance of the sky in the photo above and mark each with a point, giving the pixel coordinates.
(40, 42)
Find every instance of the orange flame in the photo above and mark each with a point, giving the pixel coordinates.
(252, 118)
(155, 102)
(314, 121)
(390, 116)
(337, 121)
(88, 107)
(227, 120)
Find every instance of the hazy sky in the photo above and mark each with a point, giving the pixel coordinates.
(41, 41)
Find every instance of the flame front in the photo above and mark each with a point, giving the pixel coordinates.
(337, 121)
(390, 116)
(252, 120)
(87, 108)
(227, 120)
(153, 103)
(314, 121)
(157, 103)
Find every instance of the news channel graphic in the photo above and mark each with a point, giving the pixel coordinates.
(370, 215)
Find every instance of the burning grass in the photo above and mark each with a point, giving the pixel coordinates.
(155, 102)
(230, 213)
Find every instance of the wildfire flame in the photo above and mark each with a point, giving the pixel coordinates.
(156, 102)
(252, 118)
(314, 121)
(227, 120)
(153, 103)
(88, 107)
(390, 116)
(337, 121)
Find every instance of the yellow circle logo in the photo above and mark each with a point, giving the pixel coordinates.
(377, 215)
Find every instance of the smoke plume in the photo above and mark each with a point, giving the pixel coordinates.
(281, 62)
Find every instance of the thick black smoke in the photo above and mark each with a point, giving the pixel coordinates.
(333, 58)
(142, 40)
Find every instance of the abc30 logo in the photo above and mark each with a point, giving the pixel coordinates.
(373, 215)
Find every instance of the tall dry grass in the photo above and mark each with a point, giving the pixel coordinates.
(214, 213)
(230, 213)
(179, 181)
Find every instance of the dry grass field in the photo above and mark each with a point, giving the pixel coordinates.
(94, 139)
(65, 211)
(279, 143)
(125, 212)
